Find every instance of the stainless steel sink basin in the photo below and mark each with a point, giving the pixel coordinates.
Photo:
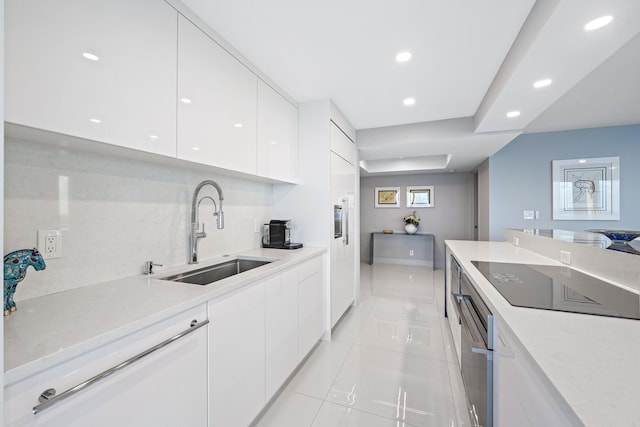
(213, 273)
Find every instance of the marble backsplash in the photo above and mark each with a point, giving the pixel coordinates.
(116, 213)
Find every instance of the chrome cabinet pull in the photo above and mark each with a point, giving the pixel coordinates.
(49, 398)
(346, 220)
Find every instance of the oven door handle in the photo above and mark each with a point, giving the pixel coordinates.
(470, 329)
(459, 298)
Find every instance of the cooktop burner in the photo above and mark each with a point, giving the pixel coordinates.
(559, 288)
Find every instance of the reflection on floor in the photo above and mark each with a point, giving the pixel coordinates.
(390, 361)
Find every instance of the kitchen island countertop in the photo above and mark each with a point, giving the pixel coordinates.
(588, 364)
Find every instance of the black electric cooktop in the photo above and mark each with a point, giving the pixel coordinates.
(559, 288)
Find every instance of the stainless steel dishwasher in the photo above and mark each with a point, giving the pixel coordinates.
(476, 353)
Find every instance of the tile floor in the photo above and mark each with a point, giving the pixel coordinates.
(390, 361)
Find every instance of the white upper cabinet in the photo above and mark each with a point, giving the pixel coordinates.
(216, 104)
(342, 145)
(277, 135)
(100, 70)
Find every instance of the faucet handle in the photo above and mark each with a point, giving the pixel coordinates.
(196, 231)
(148, 267)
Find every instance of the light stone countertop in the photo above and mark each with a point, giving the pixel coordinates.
(53, 328)
(589, 364)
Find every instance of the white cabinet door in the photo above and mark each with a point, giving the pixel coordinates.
(343, 263)
(277, 135)
(520, 396)
(342, 145)
(216, 104)
(282, 329)
(166, 388)
(237, 357)
(310, 326)
(126, 97)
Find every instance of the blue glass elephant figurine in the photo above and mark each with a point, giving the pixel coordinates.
(15, 270)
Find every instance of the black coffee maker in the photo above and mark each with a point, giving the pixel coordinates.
(277, 235)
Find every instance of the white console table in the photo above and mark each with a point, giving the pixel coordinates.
(429, 242)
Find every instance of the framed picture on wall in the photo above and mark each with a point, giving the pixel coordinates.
(387, 197)
(420, 196)
(586, 189)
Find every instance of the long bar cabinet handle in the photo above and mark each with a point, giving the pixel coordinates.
(346, 220)
(49, 398)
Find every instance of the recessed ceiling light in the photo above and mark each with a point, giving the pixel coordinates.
(403, 56)
(195, 148)
(185, 100)
(154, 137)
(409, 101)
(598, 23)
(542, 83)
(582, 161)
(512, 114)
(90, 56)
(94, 120)
(274, 142)
(238, 125)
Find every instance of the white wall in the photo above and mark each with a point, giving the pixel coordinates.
(116, 213)
(449, 219)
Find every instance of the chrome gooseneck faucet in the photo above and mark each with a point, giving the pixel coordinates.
(195, 233)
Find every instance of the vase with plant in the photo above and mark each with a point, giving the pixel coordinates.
(411, 223)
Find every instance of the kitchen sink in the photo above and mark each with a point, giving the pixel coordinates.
(213, 273)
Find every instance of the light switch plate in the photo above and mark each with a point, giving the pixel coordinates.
(565, 257)
(516, 241)
(528, 215)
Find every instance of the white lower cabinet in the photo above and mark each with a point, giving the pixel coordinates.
(220, 374)
(237, 357)
(520, 397)
(166, 388)
(310, 316)
(254, 341)
(281, 329)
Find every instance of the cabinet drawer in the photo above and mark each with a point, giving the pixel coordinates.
(309, 268)
(130, 395)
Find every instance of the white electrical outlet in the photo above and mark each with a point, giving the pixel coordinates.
(537, 214)
(565, 257)
(516, 241)
(411, 252)
(528, 214)
(50, 243)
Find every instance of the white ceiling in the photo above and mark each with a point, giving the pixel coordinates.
(472, 62)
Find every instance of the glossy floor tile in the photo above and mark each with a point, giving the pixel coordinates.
(291, 409)
(390, 361)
